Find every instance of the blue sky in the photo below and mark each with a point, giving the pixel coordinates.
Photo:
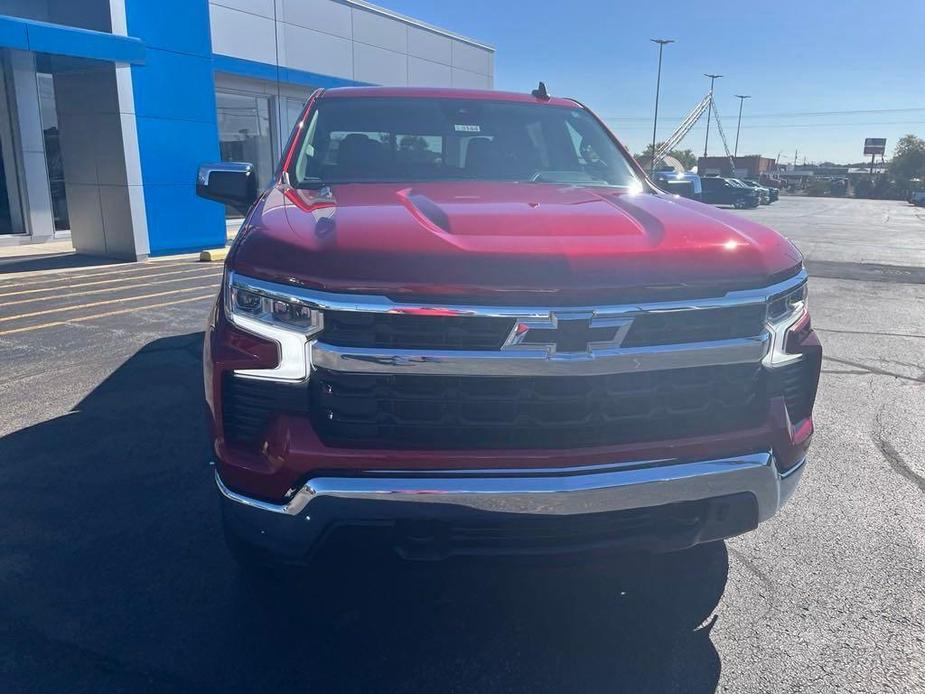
(804, 63)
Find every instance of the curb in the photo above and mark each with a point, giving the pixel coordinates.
(213, 255)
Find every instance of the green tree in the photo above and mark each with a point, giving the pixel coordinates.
(908, 158)
(687, 158)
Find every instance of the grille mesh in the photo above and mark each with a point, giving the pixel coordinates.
(402, 331)
(702, 325)
(363, 411)
(798, 385)
(248, 403)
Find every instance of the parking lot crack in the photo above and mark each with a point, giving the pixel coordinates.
(873, 369)
(894, 457)
(753, 569)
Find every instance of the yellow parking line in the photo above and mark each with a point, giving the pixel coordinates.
(207, 270)
(111, 289)
(77, 307)
(104, 315)
(128, 268)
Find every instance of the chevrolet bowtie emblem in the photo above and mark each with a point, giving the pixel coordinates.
(569, 333)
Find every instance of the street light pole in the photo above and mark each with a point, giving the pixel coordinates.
(658, 83)
(706, 140)
(741, 98)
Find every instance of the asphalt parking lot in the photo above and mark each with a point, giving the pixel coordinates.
(113, 576)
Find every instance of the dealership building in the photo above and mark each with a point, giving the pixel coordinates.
(110, 105)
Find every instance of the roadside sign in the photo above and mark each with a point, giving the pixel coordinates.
(875, 145)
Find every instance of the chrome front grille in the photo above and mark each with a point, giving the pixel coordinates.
(403, 375)
(706, 325)
(403, 331)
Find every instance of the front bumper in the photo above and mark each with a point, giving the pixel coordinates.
(292, 531)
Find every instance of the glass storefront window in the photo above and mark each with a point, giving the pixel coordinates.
(49, 116)
(244, 131)
(293, 111)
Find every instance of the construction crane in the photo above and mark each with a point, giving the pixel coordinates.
(707, 103)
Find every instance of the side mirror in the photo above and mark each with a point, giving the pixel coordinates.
(232, 183)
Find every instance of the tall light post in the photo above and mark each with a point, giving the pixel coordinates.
(658, 83)
(741, 98)
(706, 140)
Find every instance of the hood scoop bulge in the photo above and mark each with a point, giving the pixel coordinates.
(424, 210)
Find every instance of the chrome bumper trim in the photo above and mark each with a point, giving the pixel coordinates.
(328, 301)
(611, 488)
(529, 362)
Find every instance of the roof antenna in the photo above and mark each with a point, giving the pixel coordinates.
(540, 92)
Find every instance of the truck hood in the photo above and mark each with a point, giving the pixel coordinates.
(508, 242)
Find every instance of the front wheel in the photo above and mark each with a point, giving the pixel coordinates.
(739, 204)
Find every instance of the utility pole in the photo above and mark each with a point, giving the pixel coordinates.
(658, 83)
(706, 140)
(741, 98)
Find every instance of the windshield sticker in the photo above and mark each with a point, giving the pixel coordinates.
(467, 128)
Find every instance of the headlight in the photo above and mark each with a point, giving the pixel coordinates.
(265, 310)
(273, 311)
(785, 305)
(784, 311)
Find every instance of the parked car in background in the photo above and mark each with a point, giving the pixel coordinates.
(918, 198)
(772, 193)
(763, 195)
(722, 191)
(684, 184)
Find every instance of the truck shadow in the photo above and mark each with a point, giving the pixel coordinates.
(113, 576)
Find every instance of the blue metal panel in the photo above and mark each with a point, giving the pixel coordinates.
(13, 33)
(180, 222)
(267, 71)
(180, 145)
(175, 85)
(175, 107)
(56, 39)
(244, 68)
(174, 25)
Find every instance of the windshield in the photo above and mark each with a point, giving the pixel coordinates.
(366, 140)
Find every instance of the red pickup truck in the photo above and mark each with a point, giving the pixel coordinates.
(466, 322)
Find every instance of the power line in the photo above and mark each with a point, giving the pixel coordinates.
(791, 114)
(797, 125)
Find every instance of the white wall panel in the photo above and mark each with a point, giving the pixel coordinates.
(342, 39)
(116, 213)
(109, 152)
(83, 209)
(38, 198)
(263, 8)
(377, 30)
(471, 58)
(379, 66)
(321, 15)
(430, 46)
(314, 51)
(242, 35)
(425, 73)
(470, 80)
